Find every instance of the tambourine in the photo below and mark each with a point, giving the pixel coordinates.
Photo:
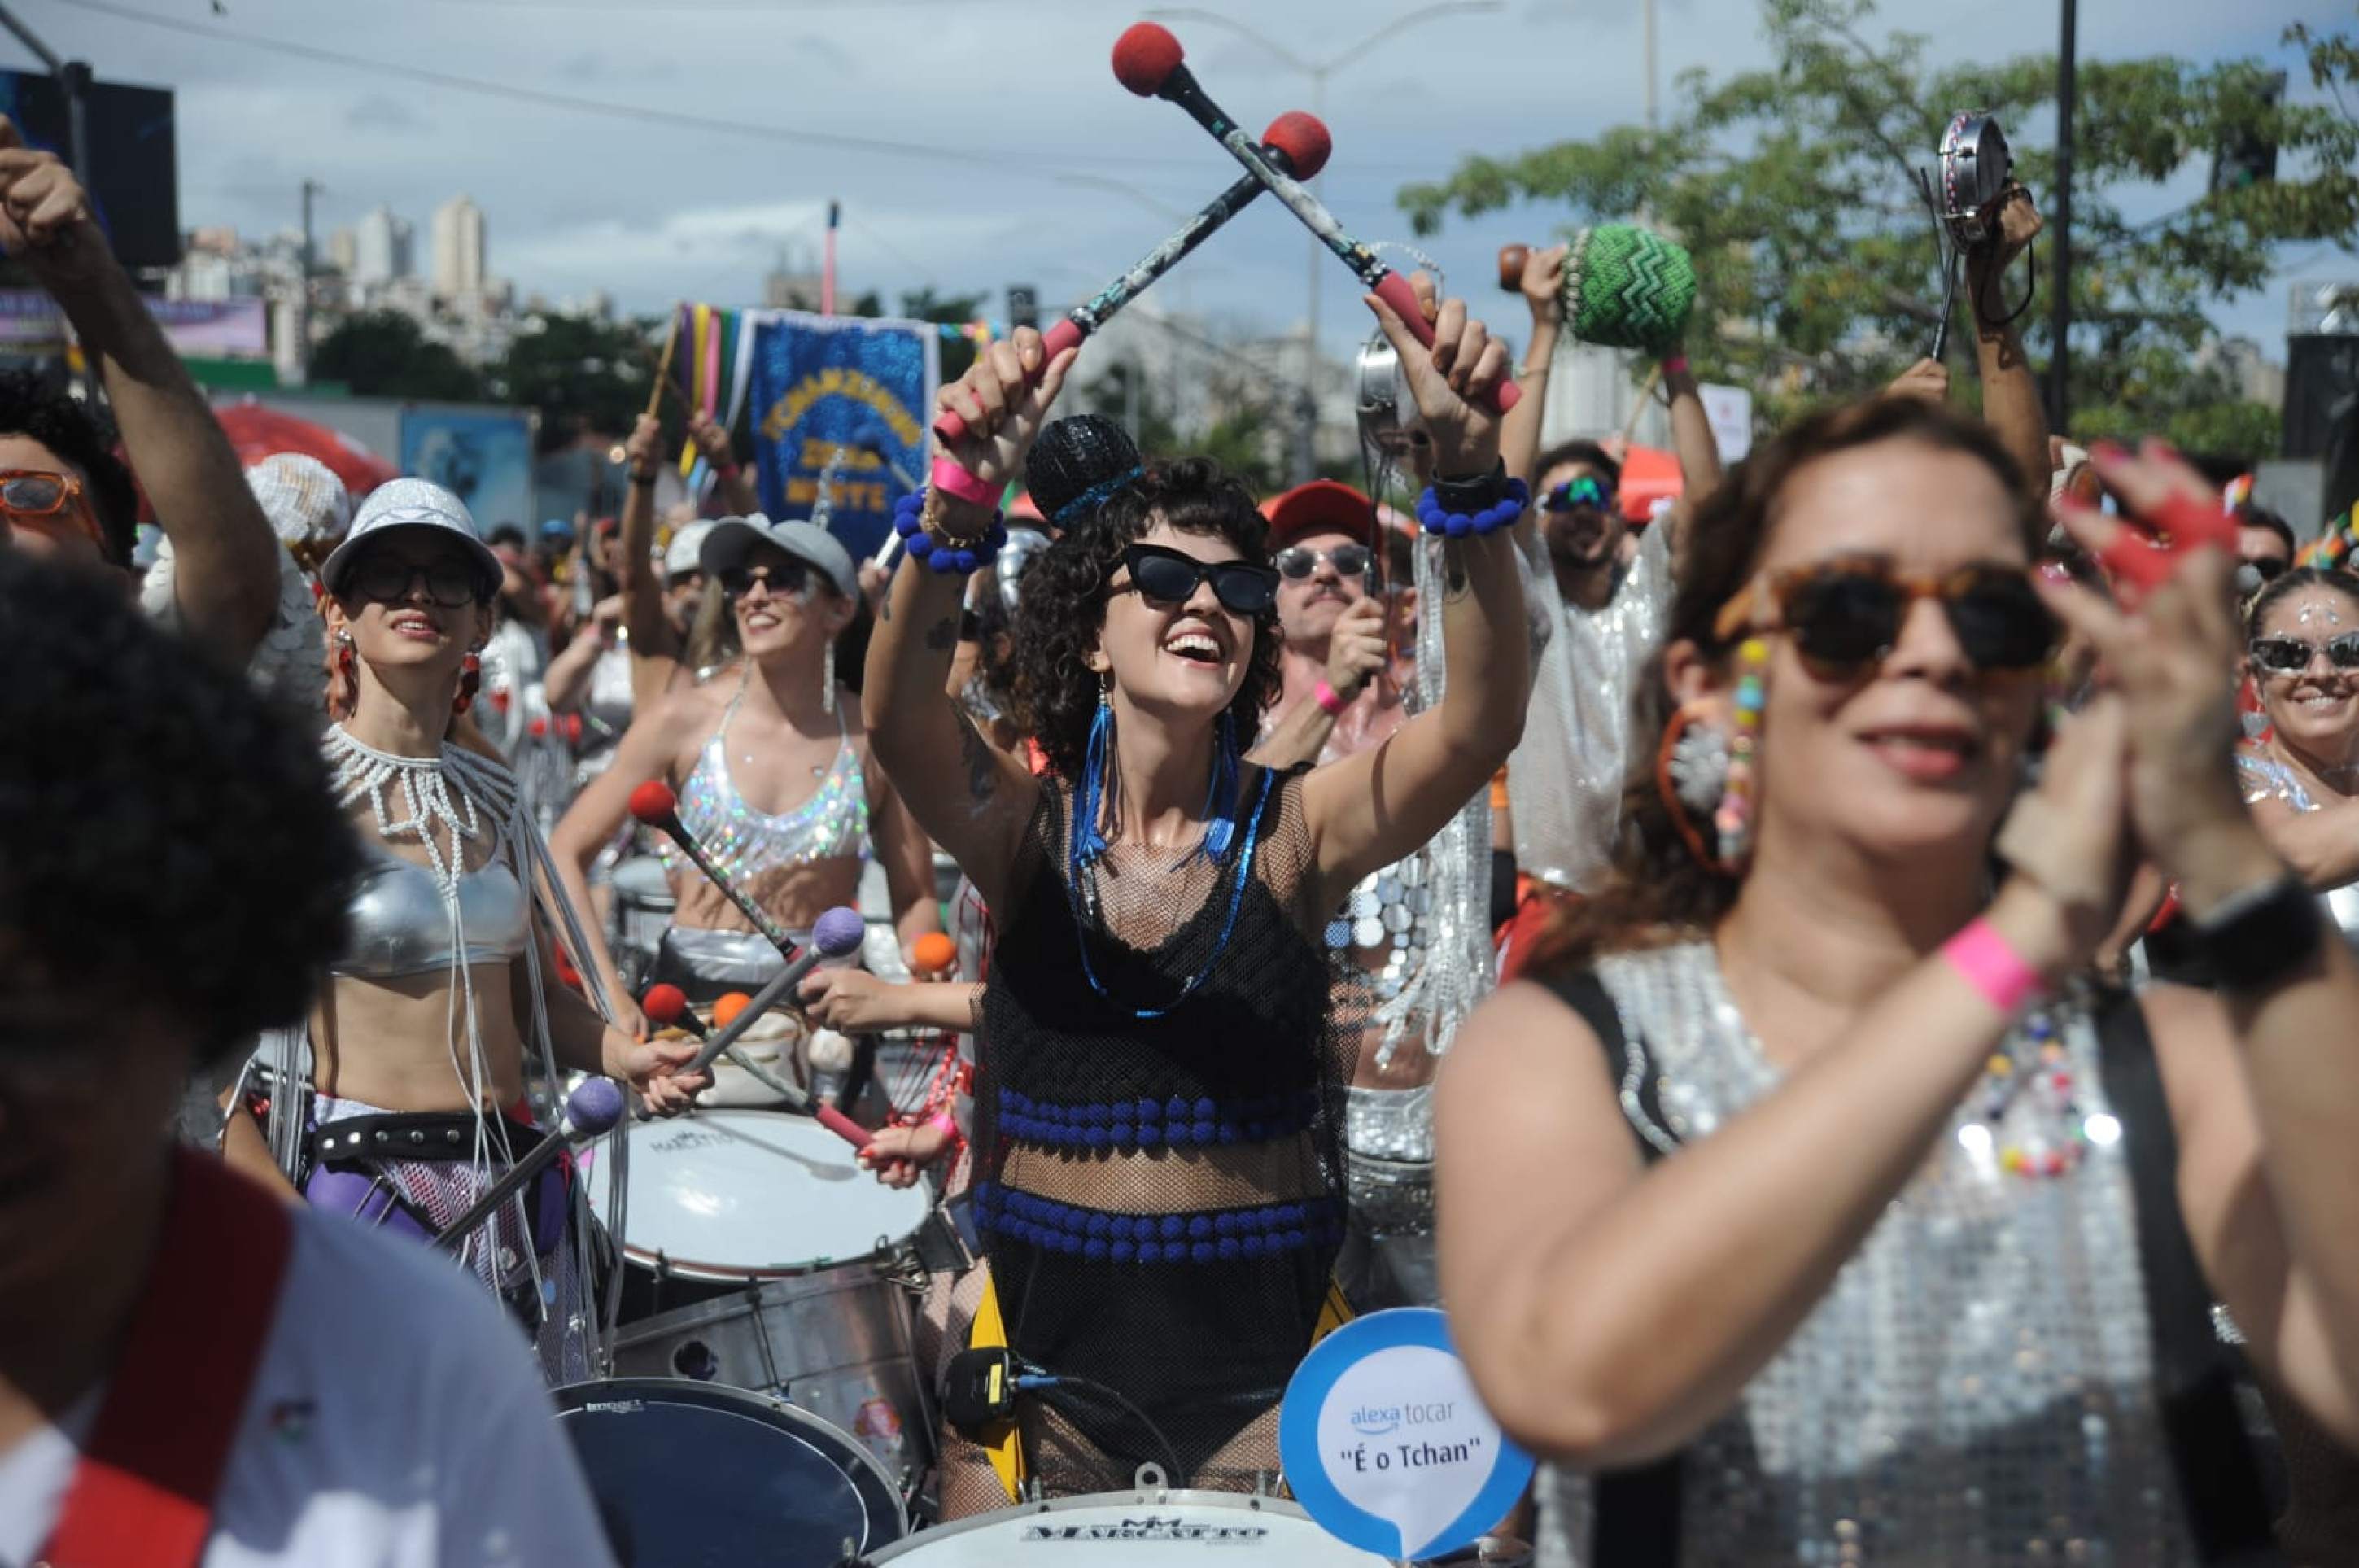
(1625, 286)
(1971, 177)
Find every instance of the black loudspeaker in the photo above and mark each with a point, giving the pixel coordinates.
(2322, 412)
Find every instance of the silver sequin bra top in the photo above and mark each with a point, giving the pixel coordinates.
(401, 925)
(2267, 779)
(832, 825)
(1565, 780)
(1976, 1387)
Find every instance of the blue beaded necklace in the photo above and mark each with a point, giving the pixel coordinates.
(1080, 868)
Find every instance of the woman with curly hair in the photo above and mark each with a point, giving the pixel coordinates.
(442, 1019)
(1868, 1231)
(1158, 1168)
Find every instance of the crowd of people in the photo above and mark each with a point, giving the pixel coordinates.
(1834, 988)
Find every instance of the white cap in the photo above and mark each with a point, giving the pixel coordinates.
(681, 556)
(304, 500)
(732, 537)
(409, 504)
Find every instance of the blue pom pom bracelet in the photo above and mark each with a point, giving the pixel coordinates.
(1459, 524)
(952, 560)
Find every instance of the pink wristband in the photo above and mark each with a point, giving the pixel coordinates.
(943, 1121)
(951, 478)
(1331, 702)
(1675, 364)
(1984, 961)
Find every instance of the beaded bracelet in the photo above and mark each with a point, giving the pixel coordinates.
(952, 558)
(1458, 524)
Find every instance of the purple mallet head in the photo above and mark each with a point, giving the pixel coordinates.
(840, 931)
(594, 1107)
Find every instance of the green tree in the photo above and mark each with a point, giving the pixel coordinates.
(583, 373)
(1794, 187)
(384, 354)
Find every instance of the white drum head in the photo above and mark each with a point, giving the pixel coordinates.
(1119, 1529)
(737, 1194)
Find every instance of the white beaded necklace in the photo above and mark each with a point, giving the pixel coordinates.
(453, 791)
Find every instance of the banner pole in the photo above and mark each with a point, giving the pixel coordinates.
(827, 272)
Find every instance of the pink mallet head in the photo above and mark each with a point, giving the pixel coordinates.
(654, 803)
(1303, 139)
(1145, 57)
(664, 1004)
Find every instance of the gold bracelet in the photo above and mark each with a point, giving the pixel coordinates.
(932, 522)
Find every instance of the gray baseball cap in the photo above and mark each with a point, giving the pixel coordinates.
(408, 503)
(685, 554)
(732, 538)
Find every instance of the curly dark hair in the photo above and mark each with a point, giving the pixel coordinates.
(1658, 892)
(1063, 605)
(165, 833)
(30, 406)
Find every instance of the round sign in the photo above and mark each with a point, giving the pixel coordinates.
(1385, 1443)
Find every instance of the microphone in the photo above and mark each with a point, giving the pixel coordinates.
(590, 1112)
(1148, 60)
(667, 1004)
(1295, 142)
(654, 804)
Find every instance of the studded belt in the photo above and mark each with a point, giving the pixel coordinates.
(422, 1134)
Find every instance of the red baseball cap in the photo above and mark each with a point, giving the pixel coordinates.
(1321, 506)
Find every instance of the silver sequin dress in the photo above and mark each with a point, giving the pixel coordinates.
(1975, 1389)
(1565, 780)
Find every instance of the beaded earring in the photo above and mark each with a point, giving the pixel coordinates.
(827, 681)
(471, 678)
(343, 680)
(1089, 804)
(1733, 815)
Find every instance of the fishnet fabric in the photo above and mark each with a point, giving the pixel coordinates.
(1203, 1342)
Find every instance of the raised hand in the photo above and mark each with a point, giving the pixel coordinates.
(1452, 382)
(45, 216)
(712, 439)
(2070, 838)
(1002, 407)
(1928, 380)
(1543, 281)
(1356, 649)
(642, 448)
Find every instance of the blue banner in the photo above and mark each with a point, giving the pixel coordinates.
(844, 399)
(483, 457)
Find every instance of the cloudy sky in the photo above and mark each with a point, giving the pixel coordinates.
(974, 143)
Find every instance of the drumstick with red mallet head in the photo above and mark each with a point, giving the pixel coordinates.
(1295, 142)
(654, 804)
(837, 933)
(1148, 60)
(666, 1006)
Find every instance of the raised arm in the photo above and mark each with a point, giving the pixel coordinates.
(647, 751)
(972, 798)
(2011, 404)
(1691, 1273)
(1378, 805)
(226, 558)
(1698, 449)
(2322, 846)
(566, 683)
(655, 646)
(1356, 655)
(1521, 431)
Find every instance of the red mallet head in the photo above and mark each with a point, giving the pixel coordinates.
(654, 803)
(1145, 57)
(1303, 139)
(933, 953)
(664, 1004)
(566, 974)
(726, 1007)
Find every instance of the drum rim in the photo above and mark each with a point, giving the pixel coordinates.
(1161, 1498)
(724, 1395)
(661, 1263)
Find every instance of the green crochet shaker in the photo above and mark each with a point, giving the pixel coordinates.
(1627, 287)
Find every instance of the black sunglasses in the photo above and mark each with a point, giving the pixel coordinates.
(1170, 577)
(384, 579)
(1298, 561)
(1845, 614)
(781, 578)
(2292, 655)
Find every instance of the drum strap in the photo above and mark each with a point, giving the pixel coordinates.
(1000, 1439)
(142, 1494)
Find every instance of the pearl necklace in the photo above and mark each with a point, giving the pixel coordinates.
(451, 793)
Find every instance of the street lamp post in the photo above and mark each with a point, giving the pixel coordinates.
(1319, 71)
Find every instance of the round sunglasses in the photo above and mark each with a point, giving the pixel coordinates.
(1846, 614)
(2292, 655)
(1170, 577)
(1296, 561)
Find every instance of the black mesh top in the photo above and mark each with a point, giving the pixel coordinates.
(1162, 1199)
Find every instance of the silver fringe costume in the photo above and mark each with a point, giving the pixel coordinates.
(445, 804)
(1565, 781)
(1977, 1388)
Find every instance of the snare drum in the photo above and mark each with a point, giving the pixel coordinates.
(1134, 1530)
(761, 1257)
(643, 908)
(685, 1474)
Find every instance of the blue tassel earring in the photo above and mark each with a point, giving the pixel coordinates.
(1221, 798)
(1088, 836)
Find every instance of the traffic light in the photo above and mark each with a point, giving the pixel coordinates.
(2250, 157)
